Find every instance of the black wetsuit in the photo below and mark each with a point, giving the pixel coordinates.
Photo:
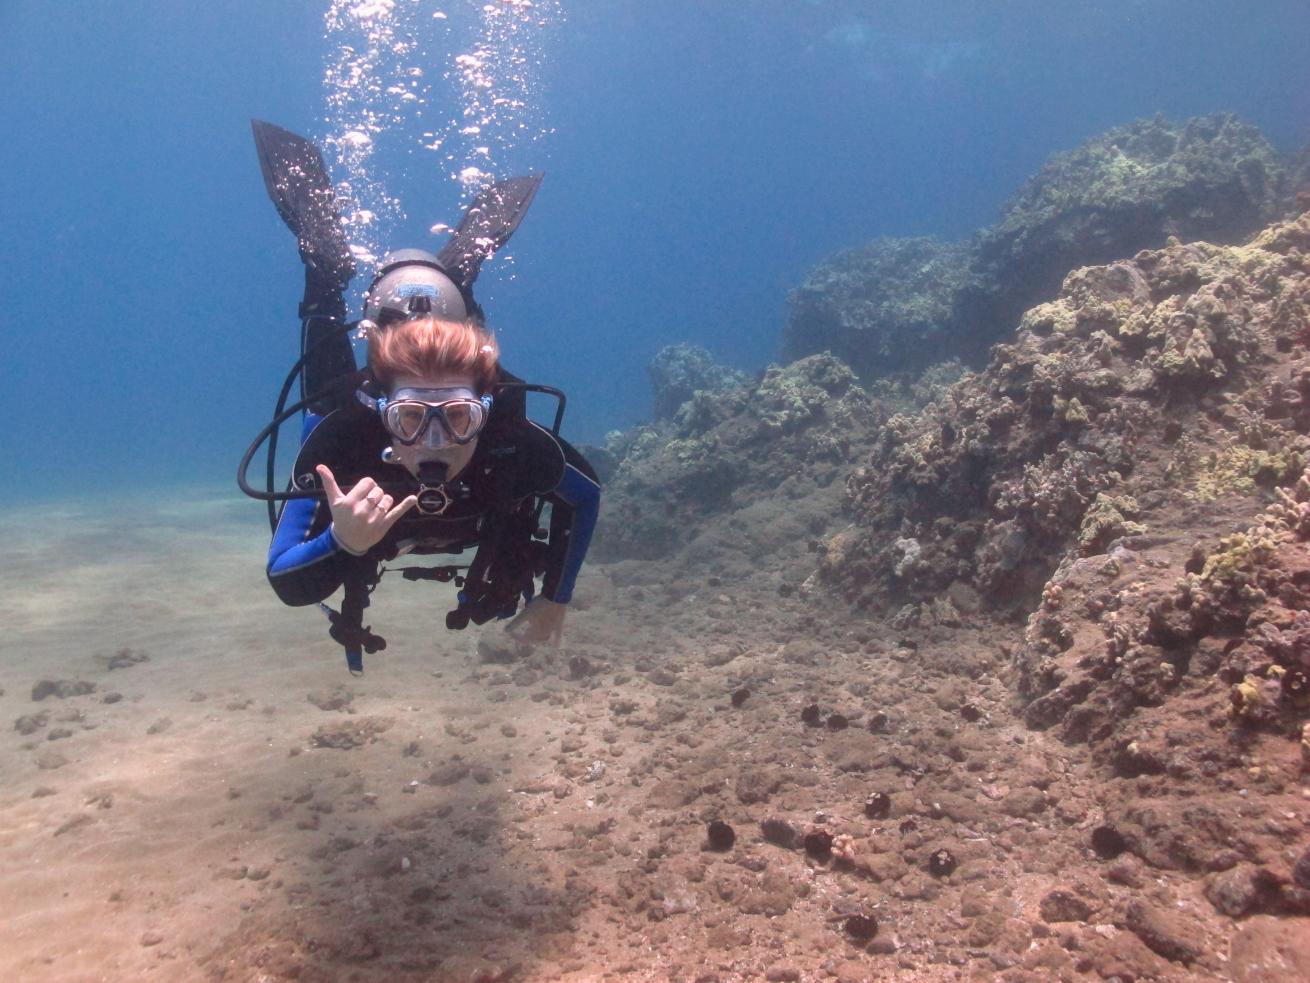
(515, 466)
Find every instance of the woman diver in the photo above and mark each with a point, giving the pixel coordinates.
(430, 449)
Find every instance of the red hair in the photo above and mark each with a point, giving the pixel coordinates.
(428, 347)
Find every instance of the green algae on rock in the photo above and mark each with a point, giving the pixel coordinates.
(1214, 178)
(994, 480)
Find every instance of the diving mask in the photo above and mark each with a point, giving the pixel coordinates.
(408, 414)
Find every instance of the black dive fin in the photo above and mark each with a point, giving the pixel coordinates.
(299, 185)
(486, 226)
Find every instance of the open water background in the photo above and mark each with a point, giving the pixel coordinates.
(703, 157)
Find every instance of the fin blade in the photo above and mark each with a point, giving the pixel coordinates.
(487, 225)
(298, 184)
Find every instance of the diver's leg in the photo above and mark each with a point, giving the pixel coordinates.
(297, 181)
(324, 342)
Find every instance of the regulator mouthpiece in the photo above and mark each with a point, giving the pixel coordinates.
(433, 472)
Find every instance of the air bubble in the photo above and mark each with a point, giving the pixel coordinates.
(405, 81)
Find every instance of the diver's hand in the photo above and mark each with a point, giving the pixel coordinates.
(363, 515)
(540, 621)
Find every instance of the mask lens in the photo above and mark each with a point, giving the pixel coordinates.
(405, 420)
(461, 419)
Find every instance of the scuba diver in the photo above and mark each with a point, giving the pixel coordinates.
(429, 449)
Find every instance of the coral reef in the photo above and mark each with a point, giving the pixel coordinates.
(1175, 375)
(765, 458)
(678, 371)
(1064, 729)
(1213, 178)
(1298, 178)
(799, 428)
(894, 304)
(882, 308)
(1130, 476)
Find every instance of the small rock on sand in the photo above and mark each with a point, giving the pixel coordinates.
(74, 822)
(350, 733)
(1164, 932)
(62, 688)
(1064, 905)
(50, 760)
(1242, 890)
(338, 698)
(31, 723)
(499, 648)
(124, 658)
(448, 774)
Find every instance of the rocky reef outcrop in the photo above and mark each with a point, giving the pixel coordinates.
(1130, 475)
(677, 372)
(1183, 659)
(1076, 661)
(1221, 621)
(1298, 180)
(755, 466)
(801, 426)
(1169, 377)
(884, 307)
(895, 304)
(1212, 178)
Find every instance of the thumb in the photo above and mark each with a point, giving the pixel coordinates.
(397, 511)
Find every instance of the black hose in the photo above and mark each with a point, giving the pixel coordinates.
(271, 468)
(271, 464)
(270, 431)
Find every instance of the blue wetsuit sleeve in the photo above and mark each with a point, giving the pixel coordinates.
(305, 564)
(575, 503)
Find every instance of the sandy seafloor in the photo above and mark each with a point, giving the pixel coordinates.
(180, 822)
(148, 824)
(236, 806)
(131, 819)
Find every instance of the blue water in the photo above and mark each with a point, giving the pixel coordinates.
(704, 157)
